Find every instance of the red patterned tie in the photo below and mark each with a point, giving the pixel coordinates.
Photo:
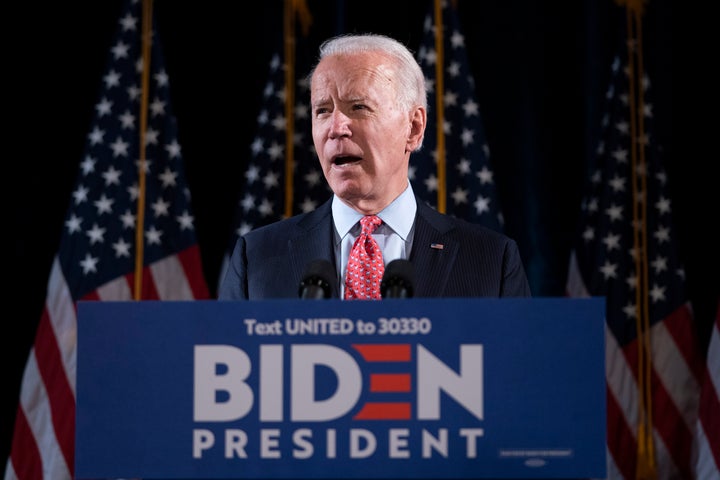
(365, 266)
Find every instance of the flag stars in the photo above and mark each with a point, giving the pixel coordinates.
(168, 178)
(96, 234)
(450, 99)
(173, 149)
(252, 174)
(243, 229)
(111, 176)
(485, 175)
(96, 136)
(308, 205)
(160, 207)
(143, 165)
(151, 136)
(104, 107)
(620, 155)
(120, 50)
(302, 111)
(313, 178)
(119, 147)
(133, 92)
(431, 183)
(680, 272)
(623, 128)
(279, 123)
(661, 177)
(111, 79)
(471, 108)
(657, 293)
(104, 205)
(632, 282)
(663, 205)
(630, 310)
(157, 107)
(460, 196)
(431, 57)
(467, 136)
(265, 208)
(608, 270)
(662, 235)
(614, 212)
(271, 180)
(482, 205)
(276, 151)
(659, 264)
(457, 40)
(80, 194)
(430, 84)
(588, 234)
(617, 183)
(161, 79)
(73, 223)
(128, 23)
(127, 120)
(87, 165)
(257, 146)
(247, 203)
(463, 166)
(185, 221)
(122, 248)
(281, 95)
(269, 90)
(612, 241)
(89, 264)
(453, 69)
(153, 236)
(128, 219)
(648, 110)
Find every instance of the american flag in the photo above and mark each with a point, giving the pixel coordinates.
(708, 431)
(469, 187)
(263, 196)
(96, 257)
(626, 251)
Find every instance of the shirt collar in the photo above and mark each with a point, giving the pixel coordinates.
(399, 215)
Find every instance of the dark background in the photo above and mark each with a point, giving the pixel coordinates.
(540, 67)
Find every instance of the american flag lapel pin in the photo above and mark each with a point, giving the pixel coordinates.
(437, 246)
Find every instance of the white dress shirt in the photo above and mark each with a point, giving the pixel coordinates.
(394, 236)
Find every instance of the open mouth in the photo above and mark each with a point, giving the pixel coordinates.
(345, 160)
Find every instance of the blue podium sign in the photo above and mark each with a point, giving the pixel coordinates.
(419, 388)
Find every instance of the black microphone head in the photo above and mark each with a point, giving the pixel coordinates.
(317, 279)
(398, 280)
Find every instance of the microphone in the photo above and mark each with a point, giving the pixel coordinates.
(398, 280)
(317, 279)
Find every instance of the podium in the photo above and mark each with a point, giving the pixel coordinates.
(391, 389)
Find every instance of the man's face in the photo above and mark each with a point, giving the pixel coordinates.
(363, 138)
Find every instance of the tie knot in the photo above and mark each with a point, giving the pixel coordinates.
(369, 224)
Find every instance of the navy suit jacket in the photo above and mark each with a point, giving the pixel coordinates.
(270, 261)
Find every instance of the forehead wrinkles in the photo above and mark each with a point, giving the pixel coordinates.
(351, 78)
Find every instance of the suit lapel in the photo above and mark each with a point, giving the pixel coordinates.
(313, 240)
(434, 252)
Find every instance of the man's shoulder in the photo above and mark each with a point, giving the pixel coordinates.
(447, 223)
(302, 221)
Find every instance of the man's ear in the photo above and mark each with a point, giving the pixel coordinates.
(418, 122)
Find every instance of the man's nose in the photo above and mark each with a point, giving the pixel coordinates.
(339, 124)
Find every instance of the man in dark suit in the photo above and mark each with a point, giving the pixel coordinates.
(369, 113)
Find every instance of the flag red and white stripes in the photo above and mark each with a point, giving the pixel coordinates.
(96, 258)
(708, 430)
